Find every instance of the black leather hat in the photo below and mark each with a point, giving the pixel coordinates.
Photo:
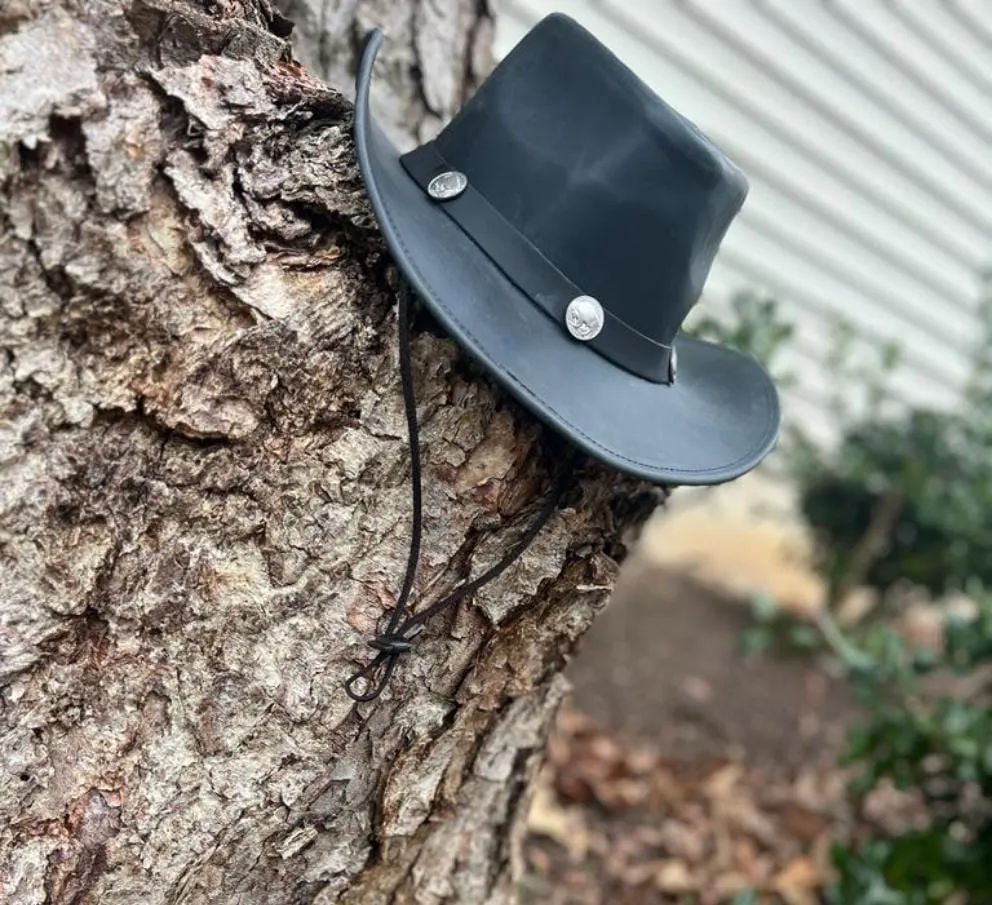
(561, 228)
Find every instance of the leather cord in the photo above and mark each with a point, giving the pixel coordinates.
(402, 627)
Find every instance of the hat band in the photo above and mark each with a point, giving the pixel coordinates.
(527, 267)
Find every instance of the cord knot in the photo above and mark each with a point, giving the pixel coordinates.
(394, 645)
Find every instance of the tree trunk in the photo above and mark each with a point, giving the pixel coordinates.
(438, 53)
(204, 507)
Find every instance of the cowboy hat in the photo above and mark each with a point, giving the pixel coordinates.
(561, 228)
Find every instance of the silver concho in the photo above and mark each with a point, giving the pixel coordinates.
(584, 317)
(446, 186)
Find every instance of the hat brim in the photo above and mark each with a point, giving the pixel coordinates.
(717, 421)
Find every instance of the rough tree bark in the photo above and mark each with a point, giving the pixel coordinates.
(205, 494)
(437, 51)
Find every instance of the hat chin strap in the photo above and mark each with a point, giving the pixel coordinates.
(402, 626)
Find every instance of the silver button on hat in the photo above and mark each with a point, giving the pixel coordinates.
(584, 317)
(448, 185)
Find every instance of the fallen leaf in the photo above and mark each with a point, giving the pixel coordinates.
(573, 789)
(723, 849)
(821, 855)
(801, 823)
(665, 787)
(566, 827)
(798, 874)
(682, 841)
(762, 869)
(605, 749)
(746, 856)
(742, 813)
(674, 876)
(722, 782)
(621, 794)
(797, 896)
(641, 761)
(633, 875)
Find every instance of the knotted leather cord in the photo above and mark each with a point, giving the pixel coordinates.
(402, 628)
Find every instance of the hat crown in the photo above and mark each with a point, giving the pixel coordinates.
(620, 192)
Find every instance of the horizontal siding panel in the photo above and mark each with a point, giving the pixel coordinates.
(823, 40)
(975, 16)
(801, 90)
(918, 61)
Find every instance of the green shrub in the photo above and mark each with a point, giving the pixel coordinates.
(939, 746)
(935, 469)
(906, 497)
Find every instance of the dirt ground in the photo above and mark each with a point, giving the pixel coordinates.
(663, 663)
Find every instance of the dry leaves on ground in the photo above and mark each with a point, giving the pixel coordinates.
(613, 822)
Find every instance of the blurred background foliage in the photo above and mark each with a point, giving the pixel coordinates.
(904, 500)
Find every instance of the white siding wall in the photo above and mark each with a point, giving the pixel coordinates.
(865, 128)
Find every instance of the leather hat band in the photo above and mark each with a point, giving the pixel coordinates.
(531, 271)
